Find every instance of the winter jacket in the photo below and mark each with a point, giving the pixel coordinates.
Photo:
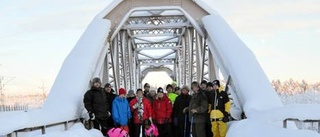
(162, 110)
(110, 98)
(172, 97)
(146, 108)
(182, 101)
(220, 104)
(121, 111)
(198, 102)
(95, 101)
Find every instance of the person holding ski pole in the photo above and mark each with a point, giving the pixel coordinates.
(180, 112)
(198, 109)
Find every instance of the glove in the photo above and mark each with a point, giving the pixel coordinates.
(92, 116)
(226, 116)
(185, 110)
(135, 106)
(109, 114)
(193, 111)
(225, 119)
(166, 120)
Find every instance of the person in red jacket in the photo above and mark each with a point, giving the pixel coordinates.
(142, 110)
(162, 110)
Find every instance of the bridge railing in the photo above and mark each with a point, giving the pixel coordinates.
(44, 127)
(13, 108)
(314, 123)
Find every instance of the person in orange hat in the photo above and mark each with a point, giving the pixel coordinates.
(121, 110)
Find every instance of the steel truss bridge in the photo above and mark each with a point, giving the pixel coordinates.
(184, 38)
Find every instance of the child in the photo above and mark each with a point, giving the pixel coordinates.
(150, 129)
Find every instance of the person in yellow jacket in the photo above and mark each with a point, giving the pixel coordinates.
(219, 111)
(171, 95)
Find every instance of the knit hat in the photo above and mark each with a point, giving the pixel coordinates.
(185, 87)
(107, 85)
(122, 91)
(96, 80)
(131, 92)
(216, 82)
(209, 84)
(160, 90)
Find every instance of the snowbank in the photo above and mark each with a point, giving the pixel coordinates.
(76, 130)
(256, 128)
(296, 111)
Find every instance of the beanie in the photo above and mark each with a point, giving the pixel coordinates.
(107, 85)
(122, 91)
(216, 82)
(96, 80)
(160, 90)
(209, 84)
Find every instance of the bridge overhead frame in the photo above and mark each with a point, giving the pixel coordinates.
(162, 38)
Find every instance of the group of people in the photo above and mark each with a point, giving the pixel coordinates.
(202, 111)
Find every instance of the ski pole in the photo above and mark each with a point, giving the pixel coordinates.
(191, 126)
(185, 125)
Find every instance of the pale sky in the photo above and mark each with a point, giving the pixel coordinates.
(37, 35)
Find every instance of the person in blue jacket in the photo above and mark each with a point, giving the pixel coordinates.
(121, 111)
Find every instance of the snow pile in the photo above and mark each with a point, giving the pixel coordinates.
(256, 128)
(10, 121)
(76, 130)
(296, 111)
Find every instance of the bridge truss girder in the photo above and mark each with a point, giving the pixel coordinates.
(188, 55)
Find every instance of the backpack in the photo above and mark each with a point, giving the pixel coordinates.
(117, 132)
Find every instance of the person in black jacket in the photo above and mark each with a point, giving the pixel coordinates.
(181, 117)
(95, 101)
(110, 97)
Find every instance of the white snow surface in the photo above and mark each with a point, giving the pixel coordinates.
(256, 128)
(296, 111)
(76, 130)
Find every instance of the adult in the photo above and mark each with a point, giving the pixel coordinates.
(162, 110)
(142, 110)
(146, 88)
(198, 108)
(171, 95)
(180, 116)
(110, 97)
(96, 103)
(220, 111)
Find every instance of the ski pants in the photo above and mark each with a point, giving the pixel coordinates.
(219, 128)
